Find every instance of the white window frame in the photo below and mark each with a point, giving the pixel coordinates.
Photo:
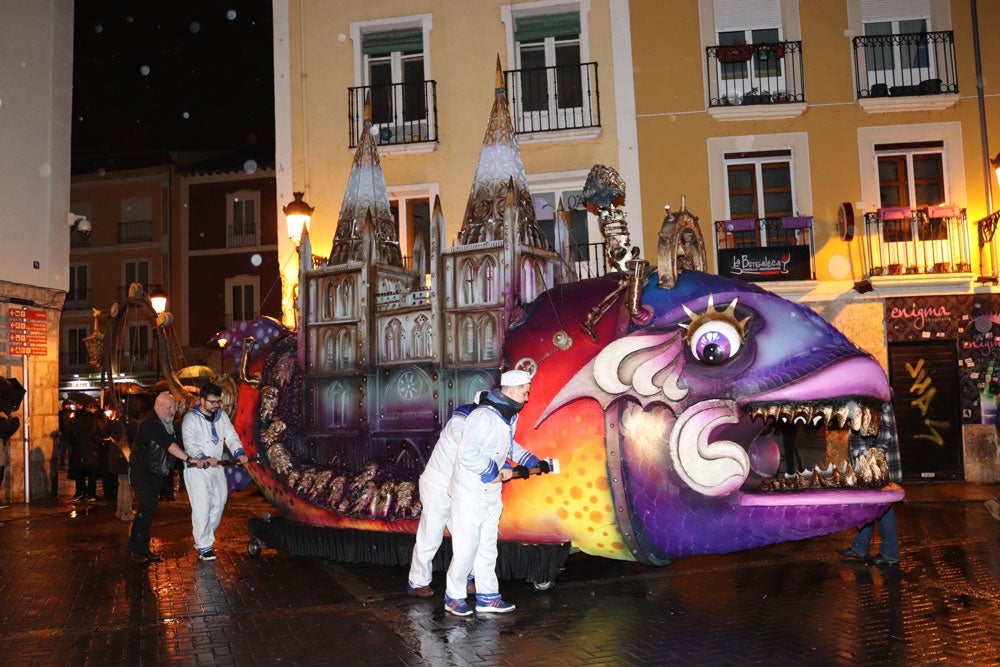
(242, 280)
(232, 199)
(398, 195)
(758, 161)
(509, 15)
(358, 28)
(719, 147)
(558, 183)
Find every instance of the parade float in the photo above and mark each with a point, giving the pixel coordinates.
(655, 387)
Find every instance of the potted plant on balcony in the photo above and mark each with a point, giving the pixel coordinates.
(734, 53)
(756, 97)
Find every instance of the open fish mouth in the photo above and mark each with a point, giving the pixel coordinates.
(719, 447)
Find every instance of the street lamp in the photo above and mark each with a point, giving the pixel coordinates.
(158, 299)
(297, 214)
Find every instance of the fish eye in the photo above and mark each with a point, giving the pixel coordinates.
(715, 342)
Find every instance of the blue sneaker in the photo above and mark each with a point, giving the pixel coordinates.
(457, 607)
(493, 604)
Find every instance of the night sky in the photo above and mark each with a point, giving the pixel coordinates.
(174, 75)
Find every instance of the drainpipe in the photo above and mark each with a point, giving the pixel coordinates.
(987, 168)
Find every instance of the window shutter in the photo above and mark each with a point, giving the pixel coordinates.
(879, 11)
(388, 41)
(739, 15)
(531, 28)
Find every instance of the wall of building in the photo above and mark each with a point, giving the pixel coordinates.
(36, 80)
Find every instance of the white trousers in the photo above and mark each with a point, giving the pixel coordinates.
(434, 518)
(475, 519)
(207, 493)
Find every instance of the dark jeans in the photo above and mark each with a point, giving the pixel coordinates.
(146, 486)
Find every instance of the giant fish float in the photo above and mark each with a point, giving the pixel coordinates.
(656, 389)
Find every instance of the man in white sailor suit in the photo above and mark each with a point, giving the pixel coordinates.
(206, 433)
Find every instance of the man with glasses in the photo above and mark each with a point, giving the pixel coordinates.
(207, 433)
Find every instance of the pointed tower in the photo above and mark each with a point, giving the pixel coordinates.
(366, 193)
(499, 162)
(501, 260)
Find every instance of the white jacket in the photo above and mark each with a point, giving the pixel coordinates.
(441, 463)
(487, 442)
(204, 439)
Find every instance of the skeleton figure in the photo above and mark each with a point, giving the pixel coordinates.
(268, 401)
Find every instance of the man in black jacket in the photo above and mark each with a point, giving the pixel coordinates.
(156, 432)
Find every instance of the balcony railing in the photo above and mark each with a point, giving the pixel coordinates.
(139, 231)
(549, 99)
(75, 362)
(766, 249)
(78, 240)
(241, 236)
(903, 241)
(905, 65)
(78, 299)
(988, 266)
(402, 113)
(767, 73)
(589, 259)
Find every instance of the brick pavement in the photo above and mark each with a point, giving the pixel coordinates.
(69, 597)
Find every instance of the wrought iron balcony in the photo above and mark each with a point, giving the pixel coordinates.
(905, 65)
(549, 99)
(767, 73)
(75, 362)
(766, 249)
(78, 240)
(77, 299)
(139, 231)
(904, 241)
(241, 236)
(402, 113)
(589, 259)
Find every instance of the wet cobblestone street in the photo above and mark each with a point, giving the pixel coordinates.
(68, 596)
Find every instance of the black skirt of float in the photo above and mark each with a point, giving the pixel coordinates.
(536, 563)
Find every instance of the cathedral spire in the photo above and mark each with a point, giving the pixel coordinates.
(366, 194)
(499, 164)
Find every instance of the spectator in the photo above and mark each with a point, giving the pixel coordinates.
(888, 553)
(65, 432)
(8, 426)
(88, 427)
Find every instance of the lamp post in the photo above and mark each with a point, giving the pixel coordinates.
(158, 299)
(297, 216)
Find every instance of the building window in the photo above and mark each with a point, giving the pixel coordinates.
(76, 350)
(79, 287)
(745, 68)
(136, 271)
(586, 246)
(911, 176)
(412, 210)
(553, 86)
(336, 405)
(242, 298)
(760, 185)
(138, 341)
(242, 228)
(393, 71)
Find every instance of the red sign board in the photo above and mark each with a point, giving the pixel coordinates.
(28, 328)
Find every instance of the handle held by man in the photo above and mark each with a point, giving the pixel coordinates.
(228, 462)
(545, 466)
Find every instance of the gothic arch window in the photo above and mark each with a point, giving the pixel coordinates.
(345, 304)
(388, 344)
(417, 339)
(428, 336)
(402, 350)
(489, 280)
(488, 328)
(345, 353)
(329, 300)
(467, 294)
(336, 405)
(329, 351)
(467, 340)
(528, 286)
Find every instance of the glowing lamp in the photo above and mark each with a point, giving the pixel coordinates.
(297, 215)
